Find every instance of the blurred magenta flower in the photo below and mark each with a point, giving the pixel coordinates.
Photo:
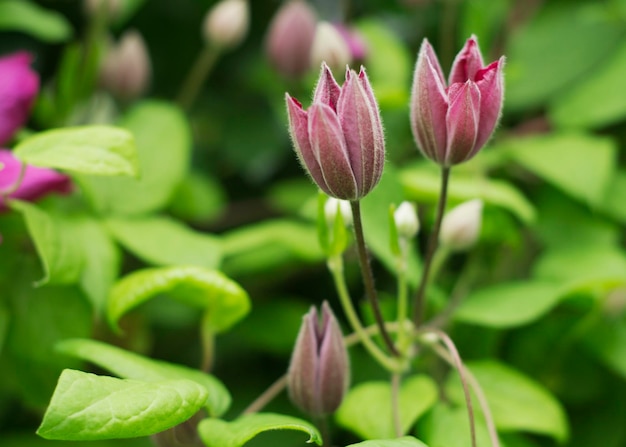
(319, 370)
(19, 86)
(28, 182)
(452, 123)
(290, 38)
(339, 139)
(354, 40)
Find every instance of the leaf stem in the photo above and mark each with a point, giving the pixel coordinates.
(433, 242)
(267, 396)
(368, 276)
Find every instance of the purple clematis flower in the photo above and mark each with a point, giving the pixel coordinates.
(339, 139)
(451, 123)
(19, 85)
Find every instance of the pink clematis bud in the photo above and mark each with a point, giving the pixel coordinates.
(339, 139)
(34, 182)
(19, 85)
(319, 371)
(452, 123)
(290, 38)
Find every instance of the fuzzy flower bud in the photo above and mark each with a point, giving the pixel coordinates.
(19, 85)
(451, 123)
(339, 139)
(330, 46)
(126, 69)
(290, 38)
(319, 371)
(226, 23)
(461, 225)
(406, 220)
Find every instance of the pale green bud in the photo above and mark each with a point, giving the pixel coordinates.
(461, 225)
(406, 220)
(226, 23)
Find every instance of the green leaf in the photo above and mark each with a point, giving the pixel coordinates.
(509, 304)
(54, 240)
(89, 407)
(613, 203)
(164, 241)
(607, 341)
(595, 102)
(217, 433)
(93, 150)
(356, 413)
(128, 8)
(198, 198)
(27, 17)
(4, 325)
(485, 19)
(449, 426)
(129, 365)
(224, 301)
(516, 401)
(423, 183)
(406, 441)
(163, 140)
(580, 165)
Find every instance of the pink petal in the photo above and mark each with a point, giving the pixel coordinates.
(490, 82)
(467, 63)
(327, 90)
(462, 122)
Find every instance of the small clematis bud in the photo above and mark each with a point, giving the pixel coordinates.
(461, 225)
(329, 46)
(126, 68)
(354, 40)
(407, 223)
(319, 371)
(19, 85)
(333, 207)
(451, 123)
(290, 38)
(226, 23)
(339, 139)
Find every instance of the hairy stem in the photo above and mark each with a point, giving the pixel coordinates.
(368, 276)
(433, 242)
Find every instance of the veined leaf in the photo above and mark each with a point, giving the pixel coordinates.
(406, 441)
(28, 17)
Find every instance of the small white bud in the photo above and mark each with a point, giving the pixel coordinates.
(330, 211)
(226, 23)
(329, 46)
(406, 220)
(461, 225)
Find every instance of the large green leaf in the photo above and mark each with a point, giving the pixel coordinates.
(89, 407)
(517, 402)
(218, 433)
(406, 441)
(129, 365)
(224, 301)
(509, 304)
(597, 100)
(449, 426)
(356, 413)
(613, 202)
(163, 141)
(28, 17)
(164, 241)
(607, 341)
(580, 165)
(55, 243)
(93, 150)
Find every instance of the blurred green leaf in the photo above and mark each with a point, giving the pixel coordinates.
(406, 441)
(128, 8)
(422, 183)
(613, 202)
(217, 433)
(224, 301)
(129, 365)
(88, 407)
(28, 17)
(198, 198)
(56, 245)
(580, 165)
(4, 325)
(164, 241)
(449, 426)
(32, 440)
(358, 414)
(163, 142)
(540, 62)
(516, 401)
(485, 19)
(509, 304)
(596, 101)
(93, 150)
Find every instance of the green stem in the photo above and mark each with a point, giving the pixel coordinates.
(197, 76)
(368, 276)
(335, 265)
(403, 297)
(267, 396)
(433, 242)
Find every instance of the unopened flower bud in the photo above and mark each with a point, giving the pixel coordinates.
(319, 371)
(226, 23)
(109, 8)
(329, 46)
(290, 38)
(406, 220)
(126, 69)
(460, 227)
(334, 206)
(339, 139)
(354, 40)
